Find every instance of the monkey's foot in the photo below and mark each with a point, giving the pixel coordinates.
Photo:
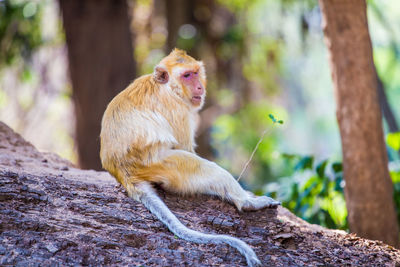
(257, 203)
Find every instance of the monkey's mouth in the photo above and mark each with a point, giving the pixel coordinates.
(196, 99)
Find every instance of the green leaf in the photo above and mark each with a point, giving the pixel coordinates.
(320, 169)
(280, 121)
(393, 140)
(395, 177)
(325, 189)
(289, 156)
(338, 185)
(304, 163)
(337, 167)
(272, 117)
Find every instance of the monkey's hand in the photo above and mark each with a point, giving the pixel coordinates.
(259, 202)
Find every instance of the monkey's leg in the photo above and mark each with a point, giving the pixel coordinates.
(188, 173)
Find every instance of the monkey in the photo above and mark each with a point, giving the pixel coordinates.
(147, 137)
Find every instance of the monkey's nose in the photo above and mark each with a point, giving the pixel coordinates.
(200, 89)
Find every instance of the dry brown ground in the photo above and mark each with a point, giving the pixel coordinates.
(54, 214)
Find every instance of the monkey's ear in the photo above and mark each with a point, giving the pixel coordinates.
(160, 75)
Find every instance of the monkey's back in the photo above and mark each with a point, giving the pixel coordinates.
(132, 126)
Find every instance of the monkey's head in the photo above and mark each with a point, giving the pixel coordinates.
(185, 76)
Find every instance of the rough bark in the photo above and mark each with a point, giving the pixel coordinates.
(101, 64)
(368, 187)
(52, 214)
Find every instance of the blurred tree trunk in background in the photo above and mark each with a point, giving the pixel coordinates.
(379, 12)
(178, 13)
(368, 190)
(387, 111)
(101, 64)
(385, 107)
(213, 24)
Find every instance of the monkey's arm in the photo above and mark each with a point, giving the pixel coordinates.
(185, 172)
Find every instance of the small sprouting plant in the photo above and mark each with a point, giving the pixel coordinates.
(274, 121)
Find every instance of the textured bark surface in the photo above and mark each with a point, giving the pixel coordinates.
(368, 186)
(52, 214)
(101, 64)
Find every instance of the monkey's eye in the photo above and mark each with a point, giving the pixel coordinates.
(186, 75)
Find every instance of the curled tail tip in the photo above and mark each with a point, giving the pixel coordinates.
(253, 261)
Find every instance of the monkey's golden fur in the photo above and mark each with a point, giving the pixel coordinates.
(137, 161)
(148, 135)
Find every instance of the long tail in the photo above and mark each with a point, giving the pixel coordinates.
(156, 206)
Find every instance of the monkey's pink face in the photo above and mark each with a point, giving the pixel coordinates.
(191, 81)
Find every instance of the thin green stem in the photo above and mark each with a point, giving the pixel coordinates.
(254, 151)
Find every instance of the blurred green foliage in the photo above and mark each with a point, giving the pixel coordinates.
(35, 95)
(232, 149)
(283, 54)
(393, 148)
(313, 192)
(396, 192)
(393, 140)
(20, 30)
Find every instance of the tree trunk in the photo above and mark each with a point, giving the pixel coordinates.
(178, 13)
(101, 64)
(385, 107)
(368, 190)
